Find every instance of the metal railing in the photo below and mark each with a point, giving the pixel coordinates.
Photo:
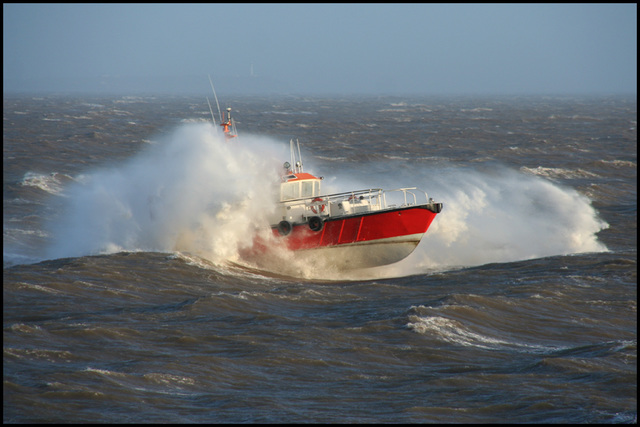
(374, 198)
(406, 191)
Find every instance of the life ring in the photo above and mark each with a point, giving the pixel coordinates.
(284, 228)
(314, 207)
(316, 223)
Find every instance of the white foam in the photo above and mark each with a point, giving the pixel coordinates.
(190, 192)
(500, 215)
(50, 183)
(554, 173)
(195, 193)
(455, 332)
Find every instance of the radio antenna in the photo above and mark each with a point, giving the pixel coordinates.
(215, 96)
(213, 119)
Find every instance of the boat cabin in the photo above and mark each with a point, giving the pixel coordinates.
(299, 186)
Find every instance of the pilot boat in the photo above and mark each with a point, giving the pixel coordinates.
(354, 229)
(357, 229)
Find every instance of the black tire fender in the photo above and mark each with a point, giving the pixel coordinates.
(284, 228)
(316, 223)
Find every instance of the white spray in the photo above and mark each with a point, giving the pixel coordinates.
(194, 192)
(191, 192)
(497, 215)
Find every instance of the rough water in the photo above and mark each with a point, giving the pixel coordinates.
(125, 298)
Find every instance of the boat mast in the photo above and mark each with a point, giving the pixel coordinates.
(228, 126)
(299, 156)
(213, 119)
(215, 96)
(296, 160)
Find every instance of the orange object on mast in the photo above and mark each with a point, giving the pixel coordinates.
(227, 125)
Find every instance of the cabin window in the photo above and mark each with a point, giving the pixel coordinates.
(307, 189)
(290, 190)
(299, 189)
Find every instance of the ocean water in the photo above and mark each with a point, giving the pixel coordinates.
(125, 298)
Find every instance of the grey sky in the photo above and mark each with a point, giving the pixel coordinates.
(321, 48)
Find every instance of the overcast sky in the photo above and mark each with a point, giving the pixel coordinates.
(321, 48)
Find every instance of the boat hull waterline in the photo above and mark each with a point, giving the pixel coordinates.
(357, 241)
(364, 241)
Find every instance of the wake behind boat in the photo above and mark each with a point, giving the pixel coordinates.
(354, 229)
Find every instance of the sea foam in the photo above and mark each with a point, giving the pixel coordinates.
(196, 193)
(500, 215)
(191, 191)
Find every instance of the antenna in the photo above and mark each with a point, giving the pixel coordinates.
(233, 127)
(212, 116)
(215, 96)
(292, 152)
(228, 126)
(296, 162)
(299, 155)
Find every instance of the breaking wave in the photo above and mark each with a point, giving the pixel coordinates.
(191, 192)
(195, 193)
(493, 215)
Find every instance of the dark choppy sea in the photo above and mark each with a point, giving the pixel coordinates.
(124, 298)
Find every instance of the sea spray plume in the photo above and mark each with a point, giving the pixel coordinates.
(196, 193)
(494, 214)
(508, 216)
(501, 215)
(192, 192)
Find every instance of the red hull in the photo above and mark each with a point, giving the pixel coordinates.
(364, 228)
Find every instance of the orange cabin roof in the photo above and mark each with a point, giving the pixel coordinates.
(298, 177)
